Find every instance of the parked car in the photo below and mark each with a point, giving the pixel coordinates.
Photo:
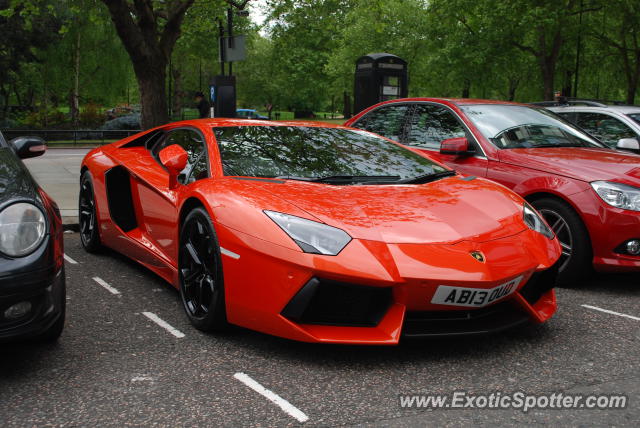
(590, 195)
(317, 233)
(32, 280)
(245, 113)
(617, 126)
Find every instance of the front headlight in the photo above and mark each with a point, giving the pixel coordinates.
(22, 229)
(535, 222)
(311, 236)
(618, 195)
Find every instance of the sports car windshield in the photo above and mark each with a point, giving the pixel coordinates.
(319, 154)
(515, 127)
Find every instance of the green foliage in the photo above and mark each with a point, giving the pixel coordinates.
(304, 58)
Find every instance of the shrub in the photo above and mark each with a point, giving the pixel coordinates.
(131, 121)
(90, 116)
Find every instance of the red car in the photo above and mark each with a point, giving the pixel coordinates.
(317, 233)
(590, 195)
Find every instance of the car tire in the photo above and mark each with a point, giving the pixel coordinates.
(87, 215)
(200, 273)
(576, 259)
(52, 333)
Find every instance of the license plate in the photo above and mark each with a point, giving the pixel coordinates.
(473, 297)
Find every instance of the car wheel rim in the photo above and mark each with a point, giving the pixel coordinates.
(197, 268)
(561, 228)
(87, 218)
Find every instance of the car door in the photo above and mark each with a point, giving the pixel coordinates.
(157, 200)
(428, 125)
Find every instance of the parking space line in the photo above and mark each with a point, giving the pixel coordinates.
(162, 323)
(607, 311)
(104, 284)
(287, 407)
(70, 260)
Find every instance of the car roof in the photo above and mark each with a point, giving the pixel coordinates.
(457, 101)
(219, 122)
(618, 109)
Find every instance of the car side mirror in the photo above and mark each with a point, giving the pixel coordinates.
(630, 144)
(174, 158)
(28, 147)
(455, 146)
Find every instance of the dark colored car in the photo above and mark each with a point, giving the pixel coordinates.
(247, 113)
(32, 280)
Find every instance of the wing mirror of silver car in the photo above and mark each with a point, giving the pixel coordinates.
(629, 144)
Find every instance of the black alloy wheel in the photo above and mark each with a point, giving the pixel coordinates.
(576, 259)
(200, 273)
(87, 218)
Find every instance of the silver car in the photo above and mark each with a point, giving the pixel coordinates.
(617, 126)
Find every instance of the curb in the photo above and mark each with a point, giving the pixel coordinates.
(71, 227)
(70, 224)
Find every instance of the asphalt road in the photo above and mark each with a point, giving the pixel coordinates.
(58, 172)
(114, 366)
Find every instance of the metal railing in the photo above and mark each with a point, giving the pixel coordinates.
(71, 137)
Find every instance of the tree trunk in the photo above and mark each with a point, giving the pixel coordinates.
(466, 89)
(548, 75)
(153, 97)
(632, 87)
(75, 96)
(346, 111)
(566, 88)
(178, 94)
(5, 105)
(149, 46)
(513, 86)
(632, 80)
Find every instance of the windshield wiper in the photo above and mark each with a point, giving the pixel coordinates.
(427, 178)
(292, 177)
(345, 178)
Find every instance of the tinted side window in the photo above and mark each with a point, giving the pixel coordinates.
(386, 121)
(606, 128)
(193, 144)
(570, 117)
(431, 124)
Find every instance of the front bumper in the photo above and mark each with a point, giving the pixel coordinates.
(47, 298)
(373, 293)
(609, 227)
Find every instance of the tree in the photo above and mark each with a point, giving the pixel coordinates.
(397, 27)
(620, 31)
(149, 31)
(19, 42)
(541, 29)
(303, 36)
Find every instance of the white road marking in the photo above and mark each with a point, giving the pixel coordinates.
(141, 378)
(287, 407)
(70, 260)
(104, 284)
(229, 253)
(162, 323)
(607, 311)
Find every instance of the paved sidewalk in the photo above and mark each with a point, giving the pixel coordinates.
(58, 172)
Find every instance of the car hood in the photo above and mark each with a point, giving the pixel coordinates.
(15, 180)
(586, 164)
(446, 211)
